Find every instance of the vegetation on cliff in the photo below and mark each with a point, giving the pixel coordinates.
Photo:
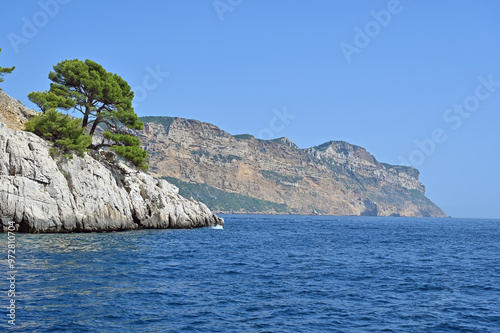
(84, 194)
(5, 70)
(223, 201)
(103, 98)
(66, 133)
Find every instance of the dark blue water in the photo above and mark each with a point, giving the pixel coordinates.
(264, 274)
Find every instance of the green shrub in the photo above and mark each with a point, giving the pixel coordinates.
(243, 137)
(279, 178)
(66, 133)
(128, 147)
(219, 200)
(136, 155)
(200, 153)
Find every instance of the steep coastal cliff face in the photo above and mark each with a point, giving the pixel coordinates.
(243, 174)
(356, 159)
(42, 193)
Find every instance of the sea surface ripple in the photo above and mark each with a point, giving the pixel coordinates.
(263, 274)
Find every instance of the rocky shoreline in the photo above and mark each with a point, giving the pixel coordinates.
(98, 192)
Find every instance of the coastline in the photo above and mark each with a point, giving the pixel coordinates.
(43, 193)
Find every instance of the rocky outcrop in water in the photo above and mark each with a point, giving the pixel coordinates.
(98, 192)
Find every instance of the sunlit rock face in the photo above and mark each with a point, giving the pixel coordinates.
(40, 192)
(335, 178)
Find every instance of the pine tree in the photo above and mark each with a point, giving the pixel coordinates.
(5, 70)
(103, 98)
(100, 96)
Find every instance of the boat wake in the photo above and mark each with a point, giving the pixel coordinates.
(218, 227)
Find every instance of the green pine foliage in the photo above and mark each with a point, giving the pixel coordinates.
(136, 155)
(123, 139)
(128, 147)
(47, 100)
(104, 100)
(5, 70)
(66, 133)
(101, 96)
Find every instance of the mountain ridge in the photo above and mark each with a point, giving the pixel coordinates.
(243, 174)
(334, 178)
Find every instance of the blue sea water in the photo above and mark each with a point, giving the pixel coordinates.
(263, 274)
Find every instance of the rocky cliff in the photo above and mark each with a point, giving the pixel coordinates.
(243, 174)
(12, 113)
(42, 193)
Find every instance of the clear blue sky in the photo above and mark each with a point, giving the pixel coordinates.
(378, 74)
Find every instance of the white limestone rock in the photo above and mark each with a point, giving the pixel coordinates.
(41, 193)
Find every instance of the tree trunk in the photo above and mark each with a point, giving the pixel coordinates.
(85, 120)
(86, 115)
(94, 126)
